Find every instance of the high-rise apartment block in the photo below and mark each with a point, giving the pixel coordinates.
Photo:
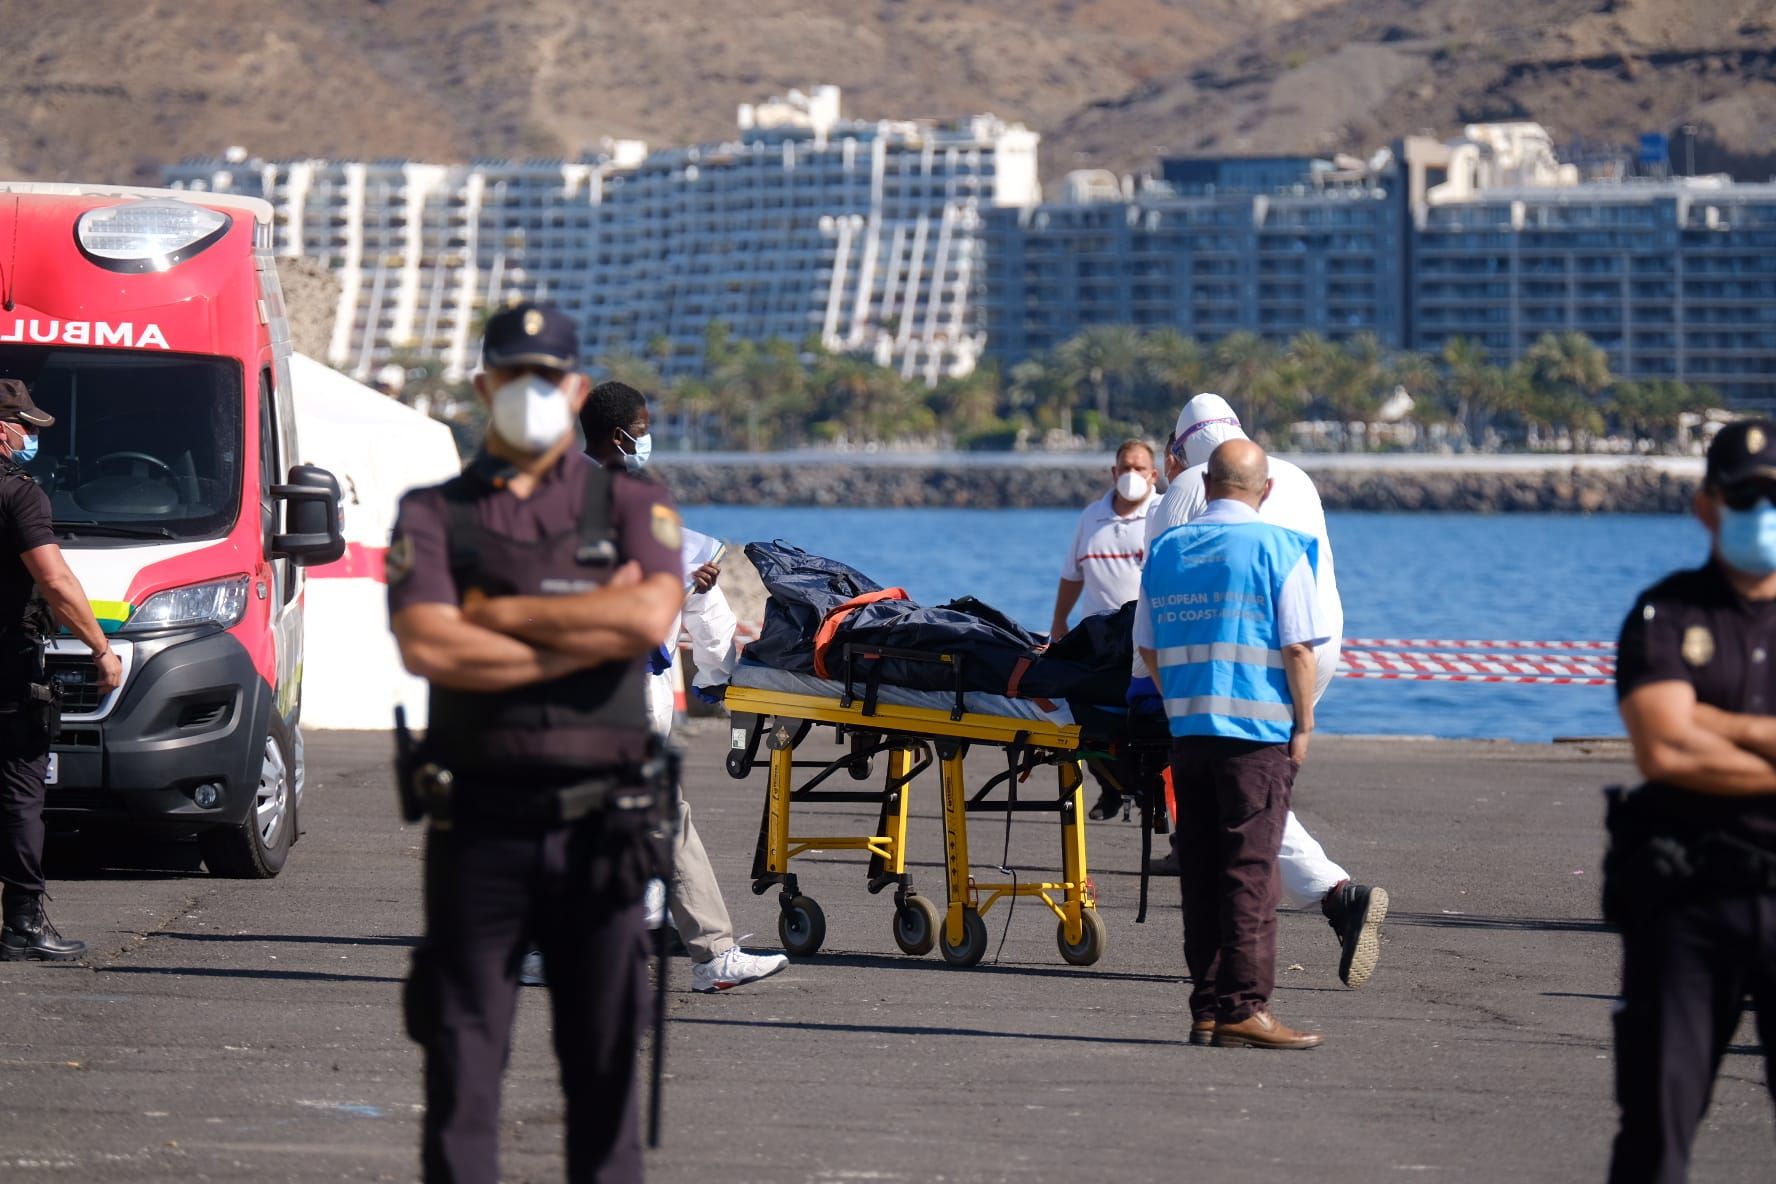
(1489, 237)
(864, 234)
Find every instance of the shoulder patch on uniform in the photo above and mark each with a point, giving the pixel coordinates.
(667, 526)
(1698, 645)
(399, 563)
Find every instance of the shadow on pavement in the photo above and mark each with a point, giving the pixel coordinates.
(293, 938)
(305, 976)
(1522, 924)
(919, 1030)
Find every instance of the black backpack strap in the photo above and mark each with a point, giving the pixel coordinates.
(462, 531)
(598, 532)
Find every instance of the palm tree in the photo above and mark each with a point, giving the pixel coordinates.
(1041, 385)
(1105, 358)
(1174, 369)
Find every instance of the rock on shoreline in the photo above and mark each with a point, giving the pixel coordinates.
(1629, 489)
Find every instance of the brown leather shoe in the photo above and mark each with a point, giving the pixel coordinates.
(1261, 1030)
(1202, 1031)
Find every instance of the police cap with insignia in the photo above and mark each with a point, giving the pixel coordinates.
(1743, 453)
(16, 405)
(530, 335)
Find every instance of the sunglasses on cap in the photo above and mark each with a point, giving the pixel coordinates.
(1747, 494)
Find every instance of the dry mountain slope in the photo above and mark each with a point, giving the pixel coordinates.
(111, 90)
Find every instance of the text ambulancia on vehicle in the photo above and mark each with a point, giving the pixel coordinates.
(152, 327)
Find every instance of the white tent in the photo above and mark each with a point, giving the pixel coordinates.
(379, 449)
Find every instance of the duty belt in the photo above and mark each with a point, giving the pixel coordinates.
(554, 806)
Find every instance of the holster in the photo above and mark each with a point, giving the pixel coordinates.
(1655, 860)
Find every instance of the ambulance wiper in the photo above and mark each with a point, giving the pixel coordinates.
(76, 527)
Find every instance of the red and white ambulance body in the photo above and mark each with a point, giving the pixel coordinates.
(150, 323)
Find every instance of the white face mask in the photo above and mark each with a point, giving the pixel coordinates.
(1132, 487)
(531, 414)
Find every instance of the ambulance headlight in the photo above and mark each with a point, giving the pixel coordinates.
(221, 602)
(140, 236)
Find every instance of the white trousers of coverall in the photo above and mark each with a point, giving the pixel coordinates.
(1306, 873)
(698, 911)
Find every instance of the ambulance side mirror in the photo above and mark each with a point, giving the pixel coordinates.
(312, 526)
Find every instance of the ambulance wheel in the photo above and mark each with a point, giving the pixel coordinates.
(974, 940)
(915, 926)
(801, 926)
(256, 848)
(1093, 937)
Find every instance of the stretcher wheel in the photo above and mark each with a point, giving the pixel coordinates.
(1093, 937)
(974, 940)
(801, 925)
(915, 926)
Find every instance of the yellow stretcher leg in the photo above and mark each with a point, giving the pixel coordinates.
(900, 763)
(1072, 848)
(955, 816)
(777, 800)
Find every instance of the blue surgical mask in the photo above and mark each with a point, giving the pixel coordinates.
(1747, 539)
(636, 461)
(28, 453)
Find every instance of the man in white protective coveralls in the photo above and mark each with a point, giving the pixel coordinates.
(1355, 911)
(616, 424)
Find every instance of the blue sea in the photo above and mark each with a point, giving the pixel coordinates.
(1528, 577)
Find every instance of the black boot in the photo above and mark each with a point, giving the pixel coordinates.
(30, 935)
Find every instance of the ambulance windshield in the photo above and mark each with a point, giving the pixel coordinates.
(144, 447)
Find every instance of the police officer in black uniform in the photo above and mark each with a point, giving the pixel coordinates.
(34, 581)
(529, 591)
(1690, 877)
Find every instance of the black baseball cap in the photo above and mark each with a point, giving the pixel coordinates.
(530, 334)
(16, 405)
(1742, 453)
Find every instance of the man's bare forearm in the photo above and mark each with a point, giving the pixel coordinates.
(1298, 666)
(1754, 733)
(617, 623)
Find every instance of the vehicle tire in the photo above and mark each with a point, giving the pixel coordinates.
(974, 940)
(1094, 935)
(915, 926)
(257, 848)
(801, 926)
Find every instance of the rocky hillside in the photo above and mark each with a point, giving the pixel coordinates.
(112, 90)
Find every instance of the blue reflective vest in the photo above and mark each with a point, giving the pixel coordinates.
(1213, 589)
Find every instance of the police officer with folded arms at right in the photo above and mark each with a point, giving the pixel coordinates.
(529, 591)
(33, 577)
(1690, 877)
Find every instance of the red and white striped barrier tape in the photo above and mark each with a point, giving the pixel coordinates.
(1537, 679)
(1406, 663)
(1397, 643)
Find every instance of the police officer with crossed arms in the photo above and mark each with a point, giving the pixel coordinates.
(529, 591)
(1690, 878)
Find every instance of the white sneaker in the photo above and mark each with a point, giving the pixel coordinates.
(653, 903)
(733, 968)
(530, 971)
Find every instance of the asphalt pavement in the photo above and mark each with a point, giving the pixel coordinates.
(251, 1031)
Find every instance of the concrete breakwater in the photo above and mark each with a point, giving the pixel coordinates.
(1482, 485)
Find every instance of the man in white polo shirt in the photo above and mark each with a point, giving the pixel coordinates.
(1102, 571)
(1355, 911)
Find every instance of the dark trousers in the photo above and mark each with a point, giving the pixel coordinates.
(1686, 969)
(23, 766)
(1233, 799)
(488, 893)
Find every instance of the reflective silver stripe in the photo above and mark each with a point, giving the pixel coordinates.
(1234, 708)
(1221, 651)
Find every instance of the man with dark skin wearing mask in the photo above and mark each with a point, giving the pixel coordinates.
(528, 592)
(1690, 878)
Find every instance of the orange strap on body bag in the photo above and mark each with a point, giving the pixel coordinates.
(829, 625)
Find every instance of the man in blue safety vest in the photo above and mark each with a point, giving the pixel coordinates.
(1228, 621)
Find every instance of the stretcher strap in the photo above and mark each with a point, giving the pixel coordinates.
(1021, 668)
(829, 625)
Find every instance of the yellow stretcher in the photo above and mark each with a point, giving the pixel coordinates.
(910, 736)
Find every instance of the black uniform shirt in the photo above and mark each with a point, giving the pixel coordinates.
(24, 526)
(1694, 627)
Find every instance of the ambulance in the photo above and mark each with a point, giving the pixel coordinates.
(150, 323)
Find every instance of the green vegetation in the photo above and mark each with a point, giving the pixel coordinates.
(1110, 382)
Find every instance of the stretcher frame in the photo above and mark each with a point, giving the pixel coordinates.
(913, 738)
